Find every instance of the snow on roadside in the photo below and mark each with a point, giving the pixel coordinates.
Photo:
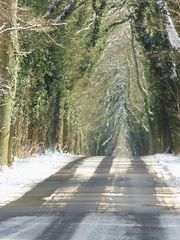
(170, 167)
(26, 173)
(167, 168)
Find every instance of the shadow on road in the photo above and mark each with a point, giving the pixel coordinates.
(30, 203)
(142, 206)
(79, 206)
(138, 208)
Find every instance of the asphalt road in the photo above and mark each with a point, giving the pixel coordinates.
(94, 198)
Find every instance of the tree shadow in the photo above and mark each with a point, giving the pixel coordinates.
(142, 207)
(30, 203)
(84, 201)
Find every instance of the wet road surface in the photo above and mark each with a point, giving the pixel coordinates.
(106, 198)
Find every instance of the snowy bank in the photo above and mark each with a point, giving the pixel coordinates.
(167, 168)
(26, 173)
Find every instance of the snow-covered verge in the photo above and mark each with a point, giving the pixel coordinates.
(167, 168)
(26, 173)
(170, 168)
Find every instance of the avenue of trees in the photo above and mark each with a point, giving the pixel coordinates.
(95, 77)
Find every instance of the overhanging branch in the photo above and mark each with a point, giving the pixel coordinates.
(114, 24)
(30, 27)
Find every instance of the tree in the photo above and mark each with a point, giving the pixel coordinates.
(8, 74)
(90, 70)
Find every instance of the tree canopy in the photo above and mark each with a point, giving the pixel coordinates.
(95, 77)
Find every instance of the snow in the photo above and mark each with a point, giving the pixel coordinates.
(102, 227)
(167, 168)
(170, 224)
(173, 35)
(24, 174)
(169, 165)
(11, 229)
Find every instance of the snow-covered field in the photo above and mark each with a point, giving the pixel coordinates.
(167, 168)
(26, 173)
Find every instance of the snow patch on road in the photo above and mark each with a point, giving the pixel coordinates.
(170, 224)
(24, 174)
(101, 227)
(60, 197)
(12, 229)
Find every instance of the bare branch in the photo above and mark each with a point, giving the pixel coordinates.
(114, 24)
(88, 24)
(86, 28)
(54, 41)
(30, 27)
(2, 27)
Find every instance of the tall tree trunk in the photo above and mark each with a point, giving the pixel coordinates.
(8, 75)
